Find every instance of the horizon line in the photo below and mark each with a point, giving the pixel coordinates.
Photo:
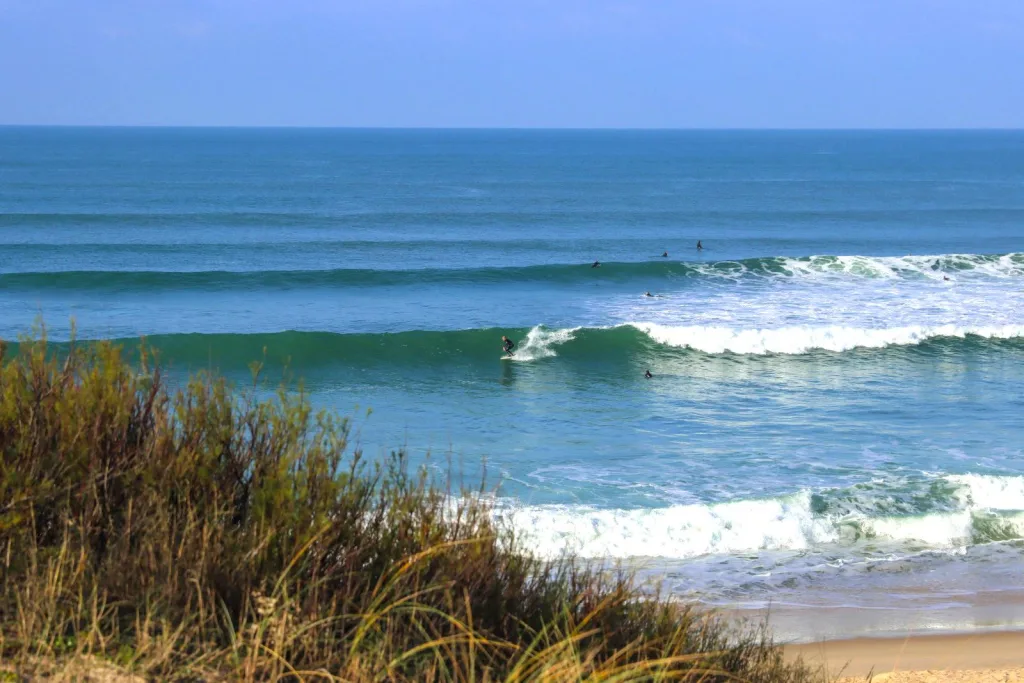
(793, 129)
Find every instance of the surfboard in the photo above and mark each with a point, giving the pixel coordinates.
(508, 357)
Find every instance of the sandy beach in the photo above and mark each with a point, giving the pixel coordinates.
(920, 659)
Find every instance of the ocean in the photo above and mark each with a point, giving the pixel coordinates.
(835, 418)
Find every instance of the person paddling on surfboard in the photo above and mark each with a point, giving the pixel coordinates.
(507, 345)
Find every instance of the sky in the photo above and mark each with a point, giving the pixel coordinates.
(514, 63)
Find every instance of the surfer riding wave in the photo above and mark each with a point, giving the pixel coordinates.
(507, 345)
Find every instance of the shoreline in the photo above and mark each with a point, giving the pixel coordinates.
(945, 657)
(927, 614)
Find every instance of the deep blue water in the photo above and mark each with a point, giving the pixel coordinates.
(836, 374)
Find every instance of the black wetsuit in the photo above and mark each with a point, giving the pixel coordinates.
(508, 345)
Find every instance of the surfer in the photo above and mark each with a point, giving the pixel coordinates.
(649, 294)
(647, 374)
(664, 255)
(507, 345)
(597, 264)
(700, 247)
(946, 278)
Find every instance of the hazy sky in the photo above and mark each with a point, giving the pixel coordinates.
(549, 63)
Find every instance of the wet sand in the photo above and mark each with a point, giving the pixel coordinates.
(920, 659)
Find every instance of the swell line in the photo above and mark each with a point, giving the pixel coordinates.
(907, 267)
(589, 346)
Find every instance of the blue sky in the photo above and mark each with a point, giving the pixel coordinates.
(515, 63)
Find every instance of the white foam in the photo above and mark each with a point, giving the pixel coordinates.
(831, 303)
(540, 343)
(942, 530)
(932, 267)
(979, 491)
(804, 338)
(785, 523)
(679, 531)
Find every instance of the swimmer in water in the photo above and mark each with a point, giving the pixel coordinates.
(597, 264)
(647, 374)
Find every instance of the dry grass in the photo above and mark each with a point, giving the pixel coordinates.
(203, 534)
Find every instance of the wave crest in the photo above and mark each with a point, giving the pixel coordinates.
(308, 350)
(968, 513)
(935, 267)
(803, 339)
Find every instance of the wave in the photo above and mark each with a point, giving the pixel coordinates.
(430, 211)
(422, 348)
(905, 267)
(174, 244)
(952, 511)
(589, 345)
(806, 338)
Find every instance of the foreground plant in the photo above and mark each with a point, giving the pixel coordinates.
(205, 534)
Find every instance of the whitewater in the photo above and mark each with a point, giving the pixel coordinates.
(974, 509)
(834, 417)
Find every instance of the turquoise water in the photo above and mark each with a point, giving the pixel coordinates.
(836, 395)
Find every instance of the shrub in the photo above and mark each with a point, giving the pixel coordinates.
(203, 534)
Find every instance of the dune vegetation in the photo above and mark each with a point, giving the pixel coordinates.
(196, 531)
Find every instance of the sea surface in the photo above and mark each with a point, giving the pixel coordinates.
(836, 415)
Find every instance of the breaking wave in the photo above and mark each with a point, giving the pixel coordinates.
(583, 344)
(951, 511)
(904, 267)
(806, 338)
